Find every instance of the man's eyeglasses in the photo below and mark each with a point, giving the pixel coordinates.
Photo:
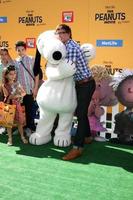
(59, 33)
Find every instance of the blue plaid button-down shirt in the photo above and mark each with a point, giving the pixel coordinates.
(75, 54)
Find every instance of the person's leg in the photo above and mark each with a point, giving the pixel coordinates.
(21, 131)
(28, 103)
(84, 95)
(9, 132)
(55, 125)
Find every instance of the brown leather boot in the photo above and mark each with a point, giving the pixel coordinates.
(73, 153)
(88, 140)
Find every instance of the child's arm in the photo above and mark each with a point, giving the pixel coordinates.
(4, 91)
(7, 96)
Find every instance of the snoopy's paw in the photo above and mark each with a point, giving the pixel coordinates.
(37, 139)
(62, 141)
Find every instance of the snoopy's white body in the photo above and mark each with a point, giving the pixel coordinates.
(57, 95)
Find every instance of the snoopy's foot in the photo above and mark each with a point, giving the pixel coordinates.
(37, 139)
(62, 141)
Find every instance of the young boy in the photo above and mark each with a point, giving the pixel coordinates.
(24, 65)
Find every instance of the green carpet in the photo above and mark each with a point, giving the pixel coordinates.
(28, 172)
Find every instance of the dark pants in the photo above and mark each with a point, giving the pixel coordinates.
(28, 101)
(84, 95)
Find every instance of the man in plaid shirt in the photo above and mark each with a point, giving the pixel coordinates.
(85, 86)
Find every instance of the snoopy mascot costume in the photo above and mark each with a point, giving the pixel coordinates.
(56, 95)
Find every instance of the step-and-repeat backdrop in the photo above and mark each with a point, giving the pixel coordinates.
(108, 25)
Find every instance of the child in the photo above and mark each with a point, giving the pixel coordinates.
(14, 93)
(5, 61)
(24, 64)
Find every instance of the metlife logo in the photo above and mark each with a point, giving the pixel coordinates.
(3, 20)
(109, 43)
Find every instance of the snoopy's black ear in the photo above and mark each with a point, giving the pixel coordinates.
(36, 68)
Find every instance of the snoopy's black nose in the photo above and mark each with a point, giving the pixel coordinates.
(57, 55)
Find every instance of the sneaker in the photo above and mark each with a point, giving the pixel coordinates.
(9, 143)
(24, 140)
(100, 139)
